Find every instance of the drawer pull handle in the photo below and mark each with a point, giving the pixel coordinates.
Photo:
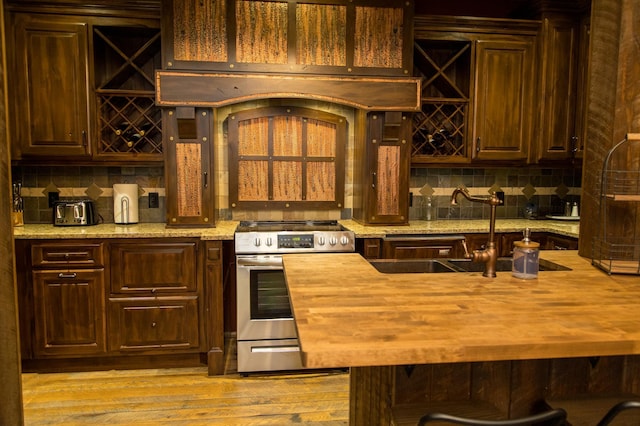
(67, 275)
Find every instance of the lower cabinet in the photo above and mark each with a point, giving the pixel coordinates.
(421, 247)
(68, 312)
(120, 302)
(450, 246)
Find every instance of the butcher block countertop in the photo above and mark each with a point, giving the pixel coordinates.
(350, 315)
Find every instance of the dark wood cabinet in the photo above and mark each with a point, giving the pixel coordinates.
(369, 248)
(559, 76)
(68, 299)
(559, 242)
(50, 101)
(84, 85)
(156, 298)
(383, 174)
(188, 136)
(503, 99)
(477, 92)
(120, 302)
(422, 247)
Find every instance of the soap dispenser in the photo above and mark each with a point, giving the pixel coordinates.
(525, 257)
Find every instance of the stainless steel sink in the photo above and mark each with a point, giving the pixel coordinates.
(409, 266)
(503, 264)
(434, 266)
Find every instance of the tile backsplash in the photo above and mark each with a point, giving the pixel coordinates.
(547, 189)
(94, 183)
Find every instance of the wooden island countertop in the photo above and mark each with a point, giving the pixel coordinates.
(350, 315)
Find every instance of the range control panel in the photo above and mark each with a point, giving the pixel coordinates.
(292, 242)
(295, 241)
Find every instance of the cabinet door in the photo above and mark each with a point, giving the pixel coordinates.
(386, 176)
(153, 324)
(557, 242)
(51, 94)
(558, 102)
(503, 99)
(69, 312)
(187, 137)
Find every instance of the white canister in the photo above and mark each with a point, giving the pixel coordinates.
(125, 203)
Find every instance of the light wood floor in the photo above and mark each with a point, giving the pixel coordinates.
(186, 396)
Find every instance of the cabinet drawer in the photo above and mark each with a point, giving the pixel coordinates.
(152, 324)
(153, 267)
(64, 255)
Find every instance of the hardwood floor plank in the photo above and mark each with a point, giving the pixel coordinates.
(185, 396)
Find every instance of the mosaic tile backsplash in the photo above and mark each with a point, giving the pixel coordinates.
(544, 190)
(88, 183)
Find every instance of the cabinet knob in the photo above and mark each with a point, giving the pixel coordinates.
(153, 324)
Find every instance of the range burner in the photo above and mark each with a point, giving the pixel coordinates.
(293, 236)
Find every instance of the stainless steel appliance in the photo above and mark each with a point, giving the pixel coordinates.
(74, 213)
(266, 337)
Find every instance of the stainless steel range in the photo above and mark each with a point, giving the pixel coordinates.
(267, 339)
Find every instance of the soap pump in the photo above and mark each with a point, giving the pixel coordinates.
(525, 257)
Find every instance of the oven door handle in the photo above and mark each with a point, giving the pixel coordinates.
(272, 349)
(260, 261)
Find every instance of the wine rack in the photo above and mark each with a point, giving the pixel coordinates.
(439, 129)
(130, 124)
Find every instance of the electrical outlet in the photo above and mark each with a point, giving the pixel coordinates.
(154, 201)
(53, 197)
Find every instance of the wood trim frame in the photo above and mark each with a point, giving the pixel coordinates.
(222, 89)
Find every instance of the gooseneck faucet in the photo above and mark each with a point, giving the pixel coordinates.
(489, 255)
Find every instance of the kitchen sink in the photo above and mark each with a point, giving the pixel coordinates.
(503, 264)
(434, 266)
(408, 266)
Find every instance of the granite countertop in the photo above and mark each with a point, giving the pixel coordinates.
(422, 318)
(560, 227)
(224, 230)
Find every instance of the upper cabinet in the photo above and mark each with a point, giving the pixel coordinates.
(347, 37)
(188, 166)
(381, 178)
(503, 99)
(50, 101)
(86, 90)
(478, 81)
(564, 44)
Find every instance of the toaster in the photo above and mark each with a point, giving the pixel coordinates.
(74, 213)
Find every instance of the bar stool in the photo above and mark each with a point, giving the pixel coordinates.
(555, 417)
(617, 409)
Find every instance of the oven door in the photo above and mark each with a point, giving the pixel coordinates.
(263, 307)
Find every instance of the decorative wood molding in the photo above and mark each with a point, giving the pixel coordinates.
(221, 89)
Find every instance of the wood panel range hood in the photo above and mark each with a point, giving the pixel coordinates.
(351, 52)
